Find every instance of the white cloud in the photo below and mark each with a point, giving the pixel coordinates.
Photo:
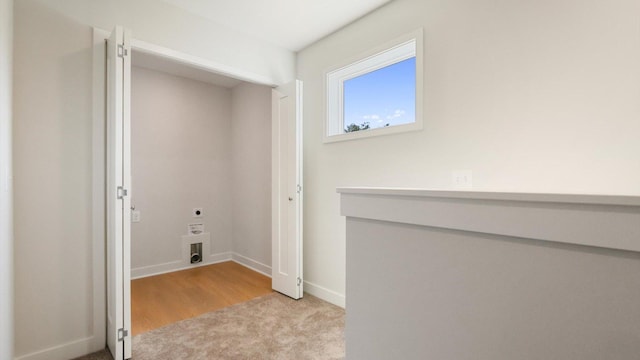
(371, 117)
(396, 114)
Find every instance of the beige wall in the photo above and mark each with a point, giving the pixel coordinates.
(6, 232)
(529, 95)
(181, 160)
(52, 168)
(251, 143)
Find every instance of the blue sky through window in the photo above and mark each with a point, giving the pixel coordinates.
(381, 97)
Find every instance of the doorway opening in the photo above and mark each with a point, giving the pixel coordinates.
(200, 193)
(113, 98)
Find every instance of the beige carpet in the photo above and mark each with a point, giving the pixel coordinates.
(269, 327)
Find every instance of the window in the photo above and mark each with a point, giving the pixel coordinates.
(380, 93)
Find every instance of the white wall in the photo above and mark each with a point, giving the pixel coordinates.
(163, 24)
(181, 160)
(251, 144)
(531, 96)
(6, 219)
(52, 171)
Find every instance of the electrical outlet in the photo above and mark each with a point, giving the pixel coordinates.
(197, 212)
(135, 216)
(462, 179)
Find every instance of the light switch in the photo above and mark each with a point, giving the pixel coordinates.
(462, 179)
(135, 216)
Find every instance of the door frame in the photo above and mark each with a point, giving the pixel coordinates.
(99, 155)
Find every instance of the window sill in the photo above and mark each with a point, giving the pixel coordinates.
(363, 134)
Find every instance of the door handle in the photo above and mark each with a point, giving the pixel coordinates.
(290, 199)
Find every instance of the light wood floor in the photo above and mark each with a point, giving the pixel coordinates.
(164, 299)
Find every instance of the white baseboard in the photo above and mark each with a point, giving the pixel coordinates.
(172, 266)
(252, 264)
(66, 351)
(155, 269)
(325, 294)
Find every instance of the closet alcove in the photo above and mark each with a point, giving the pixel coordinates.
(199, 140)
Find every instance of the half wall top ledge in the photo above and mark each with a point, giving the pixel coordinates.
(607, 221)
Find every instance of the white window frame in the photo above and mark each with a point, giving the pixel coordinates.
(402, 48)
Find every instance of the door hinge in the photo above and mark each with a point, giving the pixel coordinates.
(299, 281)
(121, 192)
(122, 52)
(299, 188)
(122, 333)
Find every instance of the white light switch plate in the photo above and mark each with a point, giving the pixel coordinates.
(135, 216)
(462, 179)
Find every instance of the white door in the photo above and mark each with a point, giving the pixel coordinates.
(286, 259)
(118, 200)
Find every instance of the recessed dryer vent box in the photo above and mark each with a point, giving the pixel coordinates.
(196, 244)
(196, 253)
